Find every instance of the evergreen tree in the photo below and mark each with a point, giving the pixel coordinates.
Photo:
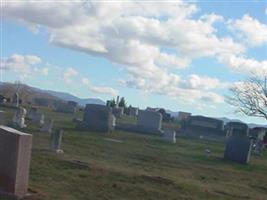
(122, 103)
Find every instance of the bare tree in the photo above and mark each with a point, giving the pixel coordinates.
(23, 91)
(250, 97)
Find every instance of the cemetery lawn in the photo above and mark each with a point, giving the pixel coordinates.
(137, 167)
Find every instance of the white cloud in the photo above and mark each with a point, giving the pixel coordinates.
(85, 81)
(69, 74)
(147, 39)
(194, 81)
(20, 63)
(252, 32)
(171, 60)
(103, 90)
(244, 65)
(45, 71)
(98, 89)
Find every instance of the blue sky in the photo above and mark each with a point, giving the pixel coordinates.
(179, 55)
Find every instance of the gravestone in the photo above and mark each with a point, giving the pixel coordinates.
(15, 100)
(47, 126)
(31, 113)
(133, 111)
(97, 118)
(196, 126)
(19, 117)
(113, 119)
(258, 134)
(238, 144)
(118, 112)
(73, 103)
(183, 116)
(117, 101)
(149, 120)
(2, 99)
(56, 139)
(15, 156)
(39, 119)
(170, 136)
(2, 117)
(236, 129)
(69, 107)
(238, 149)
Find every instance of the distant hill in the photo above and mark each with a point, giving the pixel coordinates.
(70, 97)
(250, 125)
(29, 93)
(26, 93)
(224, 119)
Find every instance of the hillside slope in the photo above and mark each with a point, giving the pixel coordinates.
(28, 94)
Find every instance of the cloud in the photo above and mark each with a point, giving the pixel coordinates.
(69, 74)
(98, 89)
(252, 32)
(103, 90)
(191, 90)
(22, 65)
(194, 81)
(171, 60)
(148, 40)
(85, 81)
(45, 71)
(244, 65)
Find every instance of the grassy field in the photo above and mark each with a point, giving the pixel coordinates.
(137, 167)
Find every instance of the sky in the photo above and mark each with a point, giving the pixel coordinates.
(179, 55)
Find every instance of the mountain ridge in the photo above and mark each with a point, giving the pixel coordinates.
(8, 88)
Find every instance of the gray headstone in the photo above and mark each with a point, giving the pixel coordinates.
(238, 149)
(56, 139)
(15, 100)
(236, 129)
(206, 127)
(31, 113)
(15, 156)
(47, 126)
(183, 116)
(149, 120)
(39, 119)
(66, 107)
(258, 133)
(133, 111)
(118, 112)
(170, 136)
(98, 118)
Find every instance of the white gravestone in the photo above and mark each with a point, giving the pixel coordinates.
(19, 117)
(56, 140)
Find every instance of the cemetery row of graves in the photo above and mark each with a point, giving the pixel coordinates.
(239, 141)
